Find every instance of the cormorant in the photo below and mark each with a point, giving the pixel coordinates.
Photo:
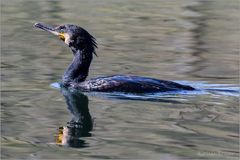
(83, 46)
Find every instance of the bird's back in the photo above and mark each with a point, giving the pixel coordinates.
(130, 84)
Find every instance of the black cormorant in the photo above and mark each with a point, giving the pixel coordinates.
(83, 46)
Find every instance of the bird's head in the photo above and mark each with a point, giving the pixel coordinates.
(74, 36)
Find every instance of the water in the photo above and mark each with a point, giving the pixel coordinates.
(189, 41)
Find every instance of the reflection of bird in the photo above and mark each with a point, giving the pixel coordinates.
(81, 123)
(83, 47)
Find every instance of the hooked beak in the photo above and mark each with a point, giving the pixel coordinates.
(50, 29)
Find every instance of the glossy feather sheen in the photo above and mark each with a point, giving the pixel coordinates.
(129, 84)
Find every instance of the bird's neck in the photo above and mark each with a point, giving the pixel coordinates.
(78, 70)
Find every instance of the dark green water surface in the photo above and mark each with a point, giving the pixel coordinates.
(191, 40)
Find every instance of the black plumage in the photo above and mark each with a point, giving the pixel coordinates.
(83, 46)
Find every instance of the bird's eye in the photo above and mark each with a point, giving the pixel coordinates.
(61, 30)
